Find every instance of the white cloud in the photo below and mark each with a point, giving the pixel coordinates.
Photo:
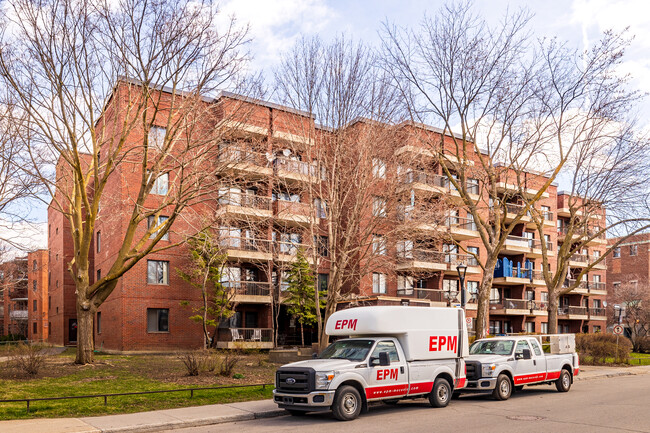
(275, 25)
(22, 237)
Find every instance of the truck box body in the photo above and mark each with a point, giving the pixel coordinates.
(425, 333)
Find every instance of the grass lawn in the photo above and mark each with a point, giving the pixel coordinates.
(120, 374)
(635, 359)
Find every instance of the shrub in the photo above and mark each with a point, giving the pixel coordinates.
(601, 346)
(28, 358)
(237, 376)
(193, 361)
(643, 344)
(211, 362)
(228, 364)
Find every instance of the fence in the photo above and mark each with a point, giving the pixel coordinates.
(28, 401)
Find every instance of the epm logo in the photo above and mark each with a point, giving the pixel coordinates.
(343, 324)
(437, 343)
(387, 374)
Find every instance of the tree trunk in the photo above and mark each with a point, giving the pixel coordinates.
(302, 334)
(85, 334)
(330, 308)
(483, 308)
(553, 303)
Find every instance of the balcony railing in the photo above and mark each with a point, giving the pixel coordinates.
(455, 222)
(570, 282)
(431, 179)
(290, 248)
(579, 231)
(597, 312)
(245, 334)
(245, 200)
(597, 285)
(235, 154)
(580, 258)
(547, 215)
(19, 314)
(537, 244)
(248, 288)
(430, 256)
(519, 241)
(428, 294)
(292, 207)
(245, 244)
(578, 311)
(296, 166)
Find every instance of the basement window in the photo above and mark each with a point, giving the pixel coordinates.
(157, 320)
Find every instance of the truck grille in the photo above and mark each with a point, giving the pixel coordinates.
(298, 380)
(473, 370)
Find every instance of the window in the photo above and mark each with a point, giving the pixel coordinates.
(157, 320)
(404, 285)
(35, 328)
(35, 306)
(35, 265)
(596, 254)
(472, 186)
(549, 244)
(99, 322)
(596, 278)
(34, 285)
(405, 249)
(596, 329)
(151, 222)
(451, 253)
(323, 280)
(472, 289)
(617, 285)
(378, 283)
(450, 286)
(633, 250)
(495, 296)
(379, 245)
(495, 327)
(322, 245)
(530, 295)
(385, 346)
(378, 168)
(57, 284)
(99, 274)
(99, 241)
(471, 260)
(379, 206)
(597, 303)
(157, 136)
(530, 328)
(161, 185)
(544, 296)
(320, 208)
(544, 327)
(616, 253)
(49, 302)
(157, 272)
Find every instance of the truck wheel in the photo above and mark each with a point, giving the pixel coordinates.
(503, 388)
(441, 393)
(347, 403)
(563, 384)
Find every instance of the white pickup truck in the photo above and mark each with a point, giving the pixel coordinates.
(396, 353)
(502, 365)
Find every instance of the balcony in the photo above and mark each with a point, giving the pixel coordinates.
(242, 161)
(245, 338)
(293, 213)
(419, 260)
(580, 234)
(437, 298)
(547, 219)
(286, 251)
(244, 206)
(293, 170)
(437, 184)
(573, 313)
(597, 288)
(461, 228)
(597, 313)
(586, 288)
(515, 307)
(419, 220)
(515, 245)
(246, 249)
(249, 292)
(19, 314)
(504, 187)
(506, 273)
(584, 260)
(514, 209)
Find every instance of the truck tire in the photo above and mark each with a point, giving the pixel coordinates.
(347, 403)
(441, 393)
(503, 390)
(563, 384)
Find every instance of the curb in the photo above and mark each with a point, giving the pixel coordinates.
(606, 375)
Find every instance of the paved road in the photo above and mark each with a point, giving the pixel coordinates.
(617, 404)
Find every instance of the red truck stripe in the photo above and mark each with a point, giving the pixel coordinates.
(420, 388)
(552, 375)
(386, 391)
(530, 378)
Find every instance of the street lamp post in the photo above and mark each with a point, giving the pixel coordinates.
(462, 270)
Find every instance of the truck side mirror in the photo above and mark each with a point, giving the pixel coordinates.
(527, 354)
(384, 359)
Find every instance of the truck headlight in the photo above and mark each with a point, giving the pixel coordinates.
(488, 370)
(323, 379)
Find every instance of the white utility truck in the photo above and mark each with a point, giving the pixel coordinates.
(392, 353)
(503, 364)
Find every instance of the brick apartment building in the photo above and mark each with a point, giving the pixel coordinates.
(629, 263)
(265, 214)
(24, 300)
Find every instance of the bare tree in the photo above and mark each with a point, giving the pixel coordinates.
(505, 106)
(340, 86)
(634, 298)
(65, 62)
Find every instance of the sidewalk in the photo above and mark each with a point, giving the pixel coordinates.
(213, 414)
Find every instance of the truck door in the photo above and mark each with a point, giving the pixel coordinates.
(539, 360)
(388, 381)
(525, 369)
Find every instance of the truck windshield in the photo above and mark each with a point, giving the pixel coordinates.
(491, 347)
(353, 350)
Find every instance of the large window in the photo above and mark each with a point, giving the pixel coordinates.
(379, 245)
(379, 206)
(157, 136)
(161, 185)
(321, 211)
(157, 272)
(378, 283)
(617, 252)
(472, 289)
(322, 245)
(472, 260)
(153, 222)
(99, 241)
(157, 320)
(633, 250)
(378, 168)
(404, 285)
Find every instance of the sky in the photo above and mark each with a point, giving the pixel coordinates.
(275, 25)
